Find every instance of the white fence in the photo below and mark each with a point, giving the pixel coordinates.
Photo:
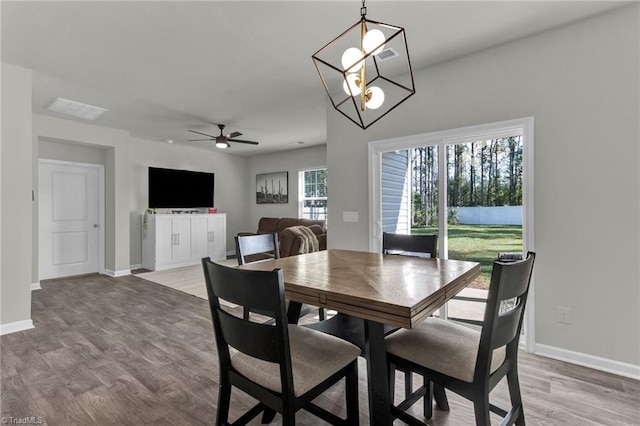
(503, 215)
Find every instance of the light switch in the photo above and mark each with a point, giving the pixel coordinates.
(349, 216)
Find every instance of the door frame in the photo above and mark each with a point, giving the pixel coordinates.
(442, 139)
(101, 205)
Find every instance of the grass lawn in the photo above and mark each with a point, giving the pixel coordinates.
(479, 243)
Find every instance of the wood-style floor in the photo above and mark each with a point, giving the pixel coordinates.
(124, 351)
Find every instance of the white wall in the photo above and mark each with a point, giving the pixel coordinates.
(16, 167)
(116, 144)
(231, 181)
(88, 146)
(289, 161)
(581, 83)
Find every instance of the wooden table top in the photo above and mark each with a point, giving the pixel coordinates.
(391, 289)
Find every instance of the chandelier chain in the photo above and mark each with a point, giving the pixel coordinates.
(363, 10)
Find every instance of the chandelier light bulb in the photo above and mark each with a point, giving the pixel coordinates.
(352, 81)
(372, 39)
(352, 59)
(375, 97)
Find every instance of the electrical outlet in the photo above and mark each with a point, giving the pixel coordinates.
(564, 315)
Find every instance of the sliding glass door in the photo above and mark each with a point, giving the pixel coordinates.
(468, 186)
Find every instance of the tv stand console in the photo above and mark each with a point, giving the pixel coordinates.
(175, 240)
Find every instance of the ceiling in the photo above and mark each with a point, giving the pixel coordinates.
(163, 67)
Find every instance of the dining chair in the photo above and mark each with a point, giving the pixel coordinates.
(408, 245)
(469, 362)
(502, 257)
(256, 248)
(260, 248)
(283, 366)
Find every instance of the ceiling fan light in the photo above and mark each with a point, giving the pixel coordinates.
(222, 144)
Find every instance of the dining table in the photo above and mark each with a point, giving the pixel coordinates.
(372, 293)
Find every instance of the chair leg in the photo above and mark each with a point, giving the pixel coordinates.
(288, 410)
(441, 397)
(351, 384)
(427, 399)
(224, 399)
(245, 314)
(481, 409)
(392, 383)
(321, 314)
(408, 384)
(289, 418)
(514, 394)
(267, 416)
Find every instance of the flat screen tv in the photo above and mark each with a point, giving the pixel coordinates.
(169, 188)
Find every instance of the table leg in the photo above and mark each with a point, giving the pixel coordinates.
(293, 312)
(376, 355)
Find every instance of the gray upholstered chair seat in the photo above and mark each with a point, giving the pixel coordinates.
(442, 346)
(315, 356)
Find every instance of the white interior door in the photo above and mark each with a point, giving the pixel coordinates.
(69, 219)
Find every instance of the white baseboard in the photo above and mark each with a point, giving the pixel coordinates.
(116, 274)
(591, 361)
(136, 266)
(13, 327)
(35, 286)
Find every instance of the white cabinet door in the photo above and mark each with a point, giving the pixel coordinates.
(200, 237)
(217, 236)
(164, 240)
(172, 241)
(182, 238)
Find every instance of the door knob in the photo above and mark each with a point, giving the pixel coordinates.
(95, 225)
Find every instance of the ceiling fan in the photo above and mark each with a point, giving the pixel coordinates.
(222, 141)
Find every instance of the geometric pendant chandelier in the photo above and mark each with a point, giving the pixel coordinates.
(366, 70)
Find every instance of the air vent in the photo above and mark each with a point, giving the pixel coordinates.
(76, 109)
(387, 54)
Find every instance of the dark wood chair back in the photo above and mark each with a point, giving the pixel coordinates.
(257, 290)
(249, 248)
(503, 317)
(413, 245)
(256, 248)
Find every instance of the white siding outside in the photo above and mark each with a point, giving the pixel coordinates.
(396, 190)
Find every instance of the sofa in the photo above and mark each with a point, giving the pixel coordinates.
(291, 242)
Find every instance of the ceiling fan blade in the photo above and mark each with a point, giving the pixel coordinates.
(233, 135)
(241, 141)
(204, 134)
(197, 140)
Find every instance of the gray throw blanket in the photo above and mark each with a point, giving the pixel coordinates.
(309, 240)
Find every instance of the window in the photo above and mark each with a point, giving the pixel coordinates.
(313, 194)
